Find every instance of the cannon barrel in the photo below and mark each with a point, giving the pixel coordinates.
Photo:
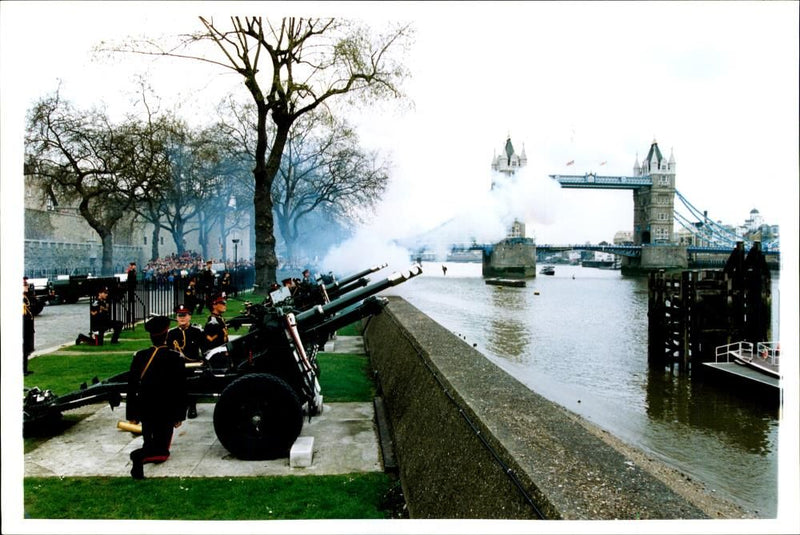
(340, 290)
(354, 276)
(371, 305)
(320, 312)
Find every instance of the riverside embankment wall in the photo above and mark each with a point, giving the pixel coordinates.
(473, 442)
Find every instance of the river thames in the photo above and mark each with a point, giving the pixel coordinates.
(579, 338)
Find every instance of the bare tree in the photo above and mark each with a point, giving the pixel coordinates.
(81, 157)
(324, 169)
(290, 68)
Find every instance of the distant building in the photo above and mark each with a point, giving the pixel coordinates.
(58, 240)
(623, 237)
(755, 229)
(754, 222)
(508, 163)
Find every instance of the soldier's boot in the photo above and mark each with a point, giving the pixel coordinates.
(83, 339)
(192, 411)
(137, 471)
(115, 335)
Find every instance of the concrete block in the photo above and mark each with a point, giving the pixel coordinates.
(302, 452)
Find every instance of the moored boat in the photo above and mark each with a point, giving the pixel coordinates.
(548, 270)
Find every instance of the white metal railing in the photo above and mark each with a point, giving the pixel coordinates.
(769, 352)
(743, 349)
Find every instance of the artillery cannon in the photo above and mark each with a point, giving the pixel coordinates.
(307, 294)
(263, 381)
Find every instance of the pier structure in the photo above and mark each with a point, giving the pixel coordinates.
(692, 312)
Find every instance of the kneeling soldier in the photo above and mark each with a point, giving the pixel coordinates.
(100, 321)
(156, 396)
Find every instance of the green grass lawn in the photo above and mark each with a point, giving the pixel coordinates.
(343, 378)
(349, 496)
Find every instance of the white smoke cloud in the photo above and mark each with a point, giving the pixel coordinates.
(471, 212)
(365, 249)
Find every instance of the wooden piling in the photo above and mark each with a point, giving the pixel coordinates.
(691, 312)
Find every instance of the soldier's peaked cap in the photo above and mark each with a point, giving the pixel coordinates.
(181, 309)
(157, 325)
(219, 298)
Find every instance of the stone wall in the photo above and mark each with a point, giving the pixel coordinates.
(655, 257)
(511, 258)
(473, 442)
(45, 258)
(664, 256)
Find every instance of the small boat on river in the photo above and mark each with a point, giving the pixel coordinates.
(514, 283)
(548, 270)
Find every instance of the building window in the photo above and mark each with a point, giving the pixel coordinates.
(145, 240)
(161, 241)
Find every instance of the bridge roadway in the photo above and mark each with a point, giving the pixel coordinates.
(621, 250)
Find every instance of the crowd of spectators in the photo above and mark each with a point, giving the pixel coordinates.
(184, 266)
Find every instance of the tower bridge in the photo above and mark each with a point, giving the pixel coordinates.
(654, 216)
(653, 187)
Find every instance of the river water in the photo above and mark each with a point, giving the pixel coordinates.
(579, 338)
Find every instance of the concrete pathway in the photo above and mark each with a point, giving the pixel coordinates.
(344, 440)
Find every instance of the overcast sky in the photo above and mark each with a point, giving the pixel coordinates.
(714, 83)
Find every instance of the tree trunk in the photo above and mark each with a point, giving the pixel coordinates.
(154, 245)
(265, 171)
(106, 237)
(266, 261)
(178, 237)
(202, 238)
(108, 252)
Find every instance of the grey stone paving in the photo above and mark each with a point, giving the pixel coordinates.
(345, 441)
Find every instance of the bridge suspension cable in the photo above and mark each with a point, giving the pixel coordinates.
(710, 231)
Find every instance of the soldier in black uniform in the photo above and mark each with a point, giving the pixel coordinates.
(216, 330)
(305, 292)
(131, 285)
(100, 321)
(207, 280)
(226, 283)
(156, 396)
(190, 295)
(187, 339)
(27, 328)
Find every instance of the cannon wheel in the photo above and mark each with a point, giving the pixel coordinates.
(258, 416)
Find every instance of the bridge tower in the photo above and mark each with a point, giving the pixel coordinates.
(508, 163)
(653, 186)
(515, 256)
(653, 206)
